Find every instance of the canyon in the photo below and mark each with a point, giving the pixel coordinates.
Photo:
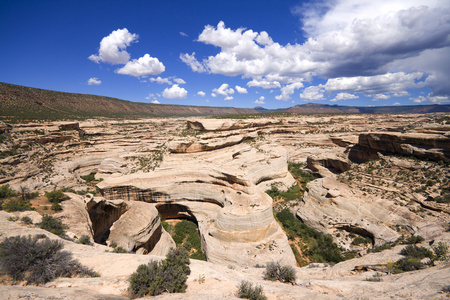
(378, 177)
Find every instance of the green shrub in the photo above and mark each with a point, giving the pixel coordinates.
(56, 207)
(186, 235)
(274, 271)
(414, 239)
(53, 225)
(17, 205)
(159, 276)
(119, 250)
(443, 199)
(6, 192)
(89, 178)
(321, 247)
(85, 240)
(409, 264)
(273, 192)
(301, 175)
(441, 252)
(55, 196)
(248, 291)
(38, 261)
(13, 219)
(419, 252)
(446, 289)
(361, 240)
(26, 220)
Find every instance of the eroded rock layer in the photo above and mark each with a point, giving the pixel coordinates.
(421, 145)
(220, 189)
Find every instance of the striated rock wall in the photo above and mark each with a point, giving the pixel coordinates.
(227, 124)
(421, 145)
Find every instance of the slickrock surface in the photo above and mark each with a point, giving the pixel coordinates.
(329, 205)
(319, 281)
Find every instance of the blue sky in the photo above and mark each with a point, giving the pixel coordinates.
(232, 53)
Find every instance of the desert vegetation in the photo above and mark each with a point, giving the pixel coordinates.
(168, 275)
(275, 271)
(185, 234)
(38, 260)
(314, 245)
(247, 290)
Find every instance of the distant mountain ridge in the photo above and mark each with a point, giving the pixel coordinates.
(315, 108)
(32, 103)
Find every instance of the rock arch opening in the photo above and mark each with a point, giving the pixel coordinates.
(103, 215)
(175, 211)
(182, 225)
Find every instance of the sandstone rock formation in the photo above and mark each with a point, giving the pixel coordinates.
(329, 205)
(208, 144)
(326, 163)
(215, 174)
(219, 189)
(318, 281)
(429, 146)
(134, 226)
(226, 124)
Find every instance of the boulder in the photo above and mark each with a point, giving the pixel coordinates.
(134, 226)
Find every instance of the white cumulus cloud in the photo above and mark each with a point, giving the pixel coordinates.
(241, 90)
(94, 81)
(224, 90)
(344, 96)
(430, 98)
(175, 92)
(192, 62)
(179, 81)
(345, 39)
(288, 90)
(113, 47)
(145, 65)
(312, 93)
(260, 100)
(161, 80)
(201, 93)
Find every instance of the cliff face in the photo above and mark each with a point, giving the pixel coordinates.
(421, 145)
